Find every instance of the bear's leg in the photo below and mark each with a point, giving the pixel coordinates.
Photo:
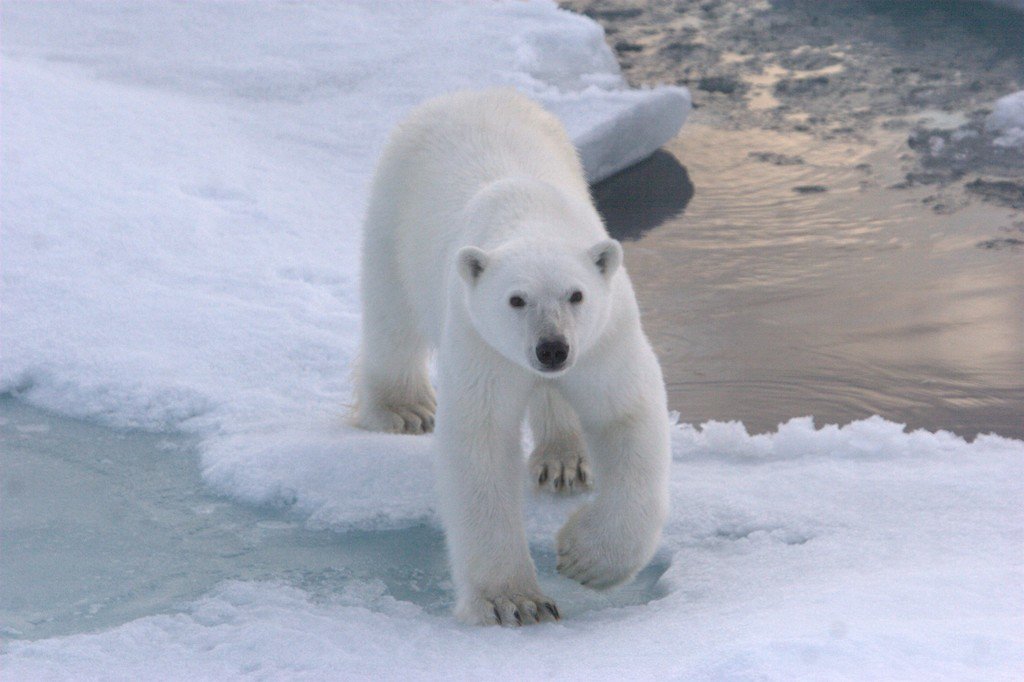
(392, 383)
(480, 485)
(620, 398)
(393, 392)
(559, 459)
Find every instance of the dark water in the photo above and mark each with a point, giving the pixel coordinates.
(765, 302)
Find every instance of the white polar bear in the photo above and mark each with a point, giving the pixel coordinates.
(481, 240)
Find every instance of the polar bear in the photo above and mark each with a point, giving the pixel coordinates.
(482, 242)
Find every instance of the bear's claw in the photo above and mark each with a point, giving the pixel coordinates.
(410, 419)
(513, 611)
(560, 470)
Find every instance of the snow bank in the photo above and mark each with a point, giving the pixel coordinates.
(861, 552)
(1007, 121)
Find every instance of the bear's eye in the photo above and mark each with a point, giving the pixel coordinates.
(577, 297)
(516, 302)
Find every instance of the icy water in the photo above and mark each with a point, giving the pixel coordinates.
(100, 526)
(814, 288)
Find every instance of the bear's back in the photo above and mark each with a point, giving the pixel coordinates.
(469, 139)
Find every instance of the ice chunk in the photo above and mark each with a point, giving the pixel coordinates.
(1007, 121)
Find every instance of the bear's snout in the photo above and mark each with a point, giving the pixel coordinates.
(552, 353)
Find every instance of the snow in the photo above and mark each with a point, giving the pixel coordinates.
(181, 200)
(861, 552)
(1007, 120)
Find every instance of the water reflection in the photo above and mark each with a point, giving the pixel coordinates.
(660, 184)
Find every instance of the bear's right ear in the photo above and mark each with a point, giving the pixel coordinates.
(472, 262)
(607, 256)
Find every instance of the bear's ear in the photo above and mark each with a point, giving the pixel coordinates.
(472, 262)
(607, 256)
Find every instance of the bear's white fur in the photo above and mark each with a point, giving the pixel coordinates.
(481, 241)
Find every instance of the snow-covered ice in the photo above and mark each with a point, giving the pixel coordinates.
(861, 552)
(1006, 121)
(181, 199)
(183, 187)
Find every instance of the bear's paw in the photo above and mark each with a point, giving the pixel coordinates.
(597, 553)
(509, 610)
(561, 467)
(412, 418)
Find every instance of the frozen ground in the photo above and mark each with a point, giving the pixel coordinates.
(181, 202)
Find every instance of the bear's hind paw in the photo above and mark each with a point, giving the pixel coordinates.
(410, 419)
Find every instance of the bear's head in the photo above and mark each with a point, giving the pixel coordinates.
(540, 306)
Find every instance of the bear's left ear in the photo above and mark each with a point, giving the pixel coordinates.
(472, 262)
(607, 256)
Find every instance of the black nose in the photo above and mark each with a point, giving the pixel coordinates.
(552, 353)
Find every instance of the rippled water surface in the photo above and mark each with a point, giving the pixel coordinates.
(833, 233)
(783, 289)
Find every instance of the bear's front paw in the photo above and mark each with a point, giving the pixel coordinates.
(599, 554)
(561, 467)
(509, 610)
(412, 418)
